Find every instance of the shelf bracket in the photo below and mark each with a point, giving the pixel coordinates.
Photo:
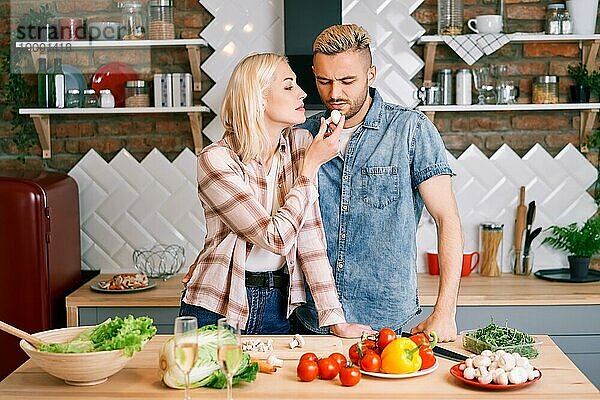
(194, 56)
(430, 115)
(589, 53)
(587, 120)
(430, 49)
(196, 125)
(42, 126)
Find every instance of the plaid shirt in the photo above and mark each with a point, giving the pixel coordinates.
(234, 197)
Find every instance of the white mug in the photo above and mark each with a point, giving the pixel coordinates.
(486, 24)
(584, 13)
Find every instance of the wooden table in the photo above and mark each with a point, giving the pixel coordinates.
(474, 290)
(561, 380)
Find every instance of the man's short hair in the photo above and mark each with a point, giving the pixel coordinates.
(341, 38)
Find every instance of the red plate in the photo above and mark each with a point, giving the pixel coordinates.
(458, 374)
(113, 76)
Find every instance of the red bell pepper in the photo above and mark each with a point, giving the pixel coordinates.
(425, 348)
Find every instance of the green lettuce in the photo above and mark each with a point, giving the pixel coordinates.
(127, 334)
(206, 371)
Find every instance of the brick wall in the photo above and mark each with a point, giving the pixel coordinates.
(73, 136)
(519, 130)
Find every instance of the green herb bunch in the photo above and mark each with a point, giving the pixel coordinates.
(580, 74)
(494, 337)
(576, 241)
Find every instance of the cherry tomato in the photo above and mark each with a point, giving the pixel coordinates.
(349, 375)
(371, 362)
(309, 357)
(386, 336)
(339, 358)
(307, 370)
(353, 354)
(368, 344)
(328, 368)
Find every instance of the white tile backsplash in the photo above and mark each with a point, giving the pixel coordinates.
(139, 204)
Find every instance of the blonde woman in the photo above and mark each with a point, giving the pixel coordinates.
(264, 230)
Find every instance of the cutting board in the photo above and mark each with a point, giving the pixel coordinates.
(321, 345)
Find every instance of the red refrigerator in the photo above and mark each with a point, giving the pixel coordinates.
(40, 260)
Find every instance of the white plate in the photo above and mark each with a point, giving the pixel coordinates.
(399, 376)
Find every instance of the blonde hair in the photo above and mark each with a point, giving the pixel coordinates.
(242, 112)
(341, 38)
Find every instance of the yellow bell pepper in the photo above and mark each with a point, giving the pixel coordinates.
(401, 357)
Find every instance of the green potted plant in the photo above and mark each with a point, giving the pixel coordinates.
(581, 89)
(580, 243)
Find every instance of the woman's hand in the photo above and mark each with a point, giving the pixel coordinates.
(347, 330)
(323, 148)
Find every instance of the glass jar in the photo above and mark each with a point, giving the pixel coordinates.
(566, 23)
(72, 98)
(464, 87)
(137, 94)
(107, 100)
(553, 18)
(89, 98)
(491, 248)
(161, 19)
(524, 265)
(450, 17)
(545, 90)
(134, 21)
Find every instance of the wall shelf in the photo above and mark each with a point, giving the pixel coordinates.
(589, 46)
(41, 120)
(41, 116)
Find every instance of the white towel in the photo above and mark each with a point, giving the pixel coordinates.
(472, 47)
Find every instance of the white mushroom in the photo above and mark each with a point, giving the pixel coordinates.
(336, 115)
(507, 362)
(481, 361)
(469, 373)
(297, 341)
(273, 360)
(501, 378)
(485, 379)
(487, 353)
(514, 376)
(469, 362)
(462, 366)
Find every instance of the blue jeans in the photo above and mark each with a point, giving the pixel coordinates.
(267, 312)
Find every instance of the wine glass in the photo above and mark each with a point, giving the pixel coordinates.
(186, 347)
(229, 350)
(484, 84)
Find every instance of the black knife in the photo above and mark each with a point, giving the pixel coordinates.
(443, 353)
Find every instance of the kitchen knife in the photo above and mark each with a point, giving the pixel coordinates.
(443, 353)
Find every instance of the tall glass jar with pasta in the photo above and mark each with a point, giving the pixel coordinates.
(491, 248)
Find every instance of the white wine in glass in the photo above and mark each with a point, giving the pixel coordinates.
(186, 347)
(229, 351)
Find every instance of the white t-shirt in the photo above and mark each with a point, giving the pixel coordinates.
(259, 259)
(345, 138)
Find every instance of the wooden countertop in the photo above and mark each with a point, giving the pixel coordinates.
(508, 289)
(139, 380)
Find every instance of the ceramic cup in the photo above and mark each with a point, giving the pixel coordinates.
(486, 24)
(584, 14)
(469, 263)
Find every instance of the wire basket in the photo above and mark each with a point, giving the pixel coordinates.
(161, 261)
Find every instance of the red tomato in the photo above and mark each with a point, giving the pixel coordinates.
(339, 358)
(307, 370)
(386, 336)
(309, 357)
(349, 376)
(368, 344)
(328, 368)
(353, 354)
(371, 362)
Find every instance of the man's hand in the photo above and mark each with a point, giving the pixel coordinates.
(346, 330)
(444, 326)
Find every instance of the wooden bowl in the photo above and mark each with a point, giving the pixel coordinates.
(79, 369)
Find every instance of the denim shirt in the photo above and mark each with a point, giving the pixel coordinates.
(371, 206)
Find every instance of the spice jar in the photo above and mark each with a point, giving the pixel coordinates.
(72, 98)
(554, 18)
(463, 86)
(545, 90)
(134, 27)
(450, 17)
(89, 98)
(491, 247)
(137, 94)
(162, 24)
(107, 100)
